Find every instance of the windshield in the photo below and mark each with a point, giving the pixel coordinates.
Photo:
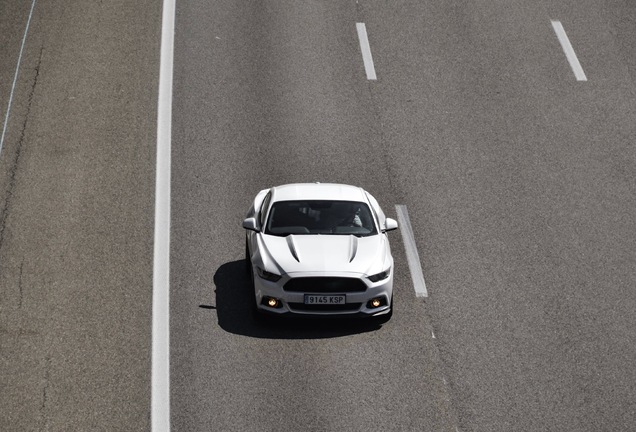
(320, 217)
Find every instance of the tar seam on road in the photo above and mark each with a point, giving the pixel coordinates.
(569, 51)
(160, 382)
(366, 51)
(412, 257)
(15, 78)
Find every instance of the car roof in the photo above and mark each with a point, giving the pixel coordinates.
(318, 191)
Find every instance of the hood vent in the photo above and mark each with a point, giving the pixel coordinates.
(293, 243)
(292, 247)
(353, 247)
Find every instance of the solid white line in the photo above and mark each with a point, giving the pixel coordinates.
(412, 257)
(160, 392)
(569, 51)
(15, 77)
(366, 51)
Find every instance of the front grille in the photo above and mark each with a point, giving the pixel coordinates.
(325, 307)
(325, 285)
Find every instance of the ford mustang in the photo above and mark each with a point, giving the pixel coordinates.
(318, 249)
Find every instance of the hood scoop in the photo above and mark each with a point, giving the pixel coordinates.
(292, 247)
(353, 247)
(324, 253)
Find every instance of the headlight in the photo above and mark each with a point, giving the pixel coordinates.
(379, 276)
(272, 277)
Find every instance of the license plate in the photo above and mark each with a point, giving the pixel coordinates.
(325, 299)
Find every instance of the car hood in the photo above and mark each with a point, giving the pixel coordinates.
(327, 253)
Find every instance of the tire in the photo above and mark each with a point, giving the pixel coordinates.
(259, 316)
(248, 261)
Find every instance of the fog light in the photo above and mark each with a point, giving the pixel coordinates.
(271, 302)
(376, 302)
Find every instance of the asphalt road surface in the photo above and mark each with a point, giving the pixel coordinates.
(76, 214)
(519, 179)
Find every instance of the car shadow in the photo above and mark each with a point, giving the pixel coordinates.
(234, 297)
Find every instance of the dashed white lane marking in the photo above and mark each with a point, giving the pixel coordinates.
(366, 51)
(160, 381)
(569, 51)
(412, 257)
(15, 77)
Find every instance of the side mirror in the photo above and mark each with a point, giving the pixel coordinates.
(390, 224)
(250, 224)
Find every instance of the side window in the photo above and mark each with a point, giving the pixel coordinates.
(263, 210)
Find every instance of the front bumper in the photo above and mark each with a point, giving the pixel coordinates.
(356, 303)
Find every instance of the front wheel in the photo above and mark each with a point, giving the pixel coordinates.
(248, 261)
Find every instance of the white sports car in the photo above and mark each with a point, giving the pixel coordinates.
(320, 249)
